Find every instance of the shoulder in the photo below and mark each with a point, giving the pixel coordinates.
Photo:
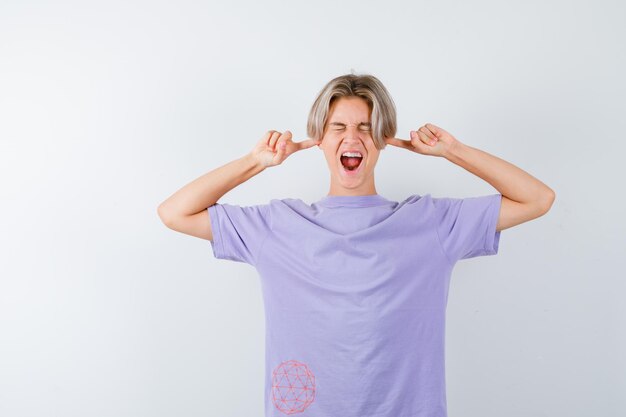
(282, 203)
(416, 200)
(288, 207)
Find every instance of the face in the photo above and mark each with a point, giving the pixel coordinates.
(348, 128)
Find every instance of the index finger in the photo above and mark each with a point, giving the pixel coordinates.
(399, 142)
(305, 144)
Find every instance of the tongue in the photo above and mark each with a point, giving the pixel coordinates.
(350, 161)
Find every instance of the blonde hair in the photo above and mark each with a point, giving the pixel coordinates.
(368, 87)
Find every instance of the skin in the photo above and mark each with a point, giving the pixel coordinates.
(345, 131)
(350, 111)
(524, 197)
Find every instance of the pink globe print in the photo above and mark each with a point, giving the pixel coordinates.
(293, 387)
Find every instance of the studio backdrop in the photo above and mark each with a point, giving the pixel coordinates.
(109, 107)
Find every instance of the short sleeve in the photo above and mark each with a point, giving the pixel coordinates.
(467, 226)
(239, 232)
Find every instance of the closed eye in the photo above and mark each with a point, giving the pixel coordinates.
(363, 128)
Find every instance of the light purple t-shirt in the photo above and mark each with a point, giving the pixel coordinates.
(355, 291)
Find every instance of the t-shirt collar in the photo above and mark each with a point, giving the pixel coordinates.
(353, 200)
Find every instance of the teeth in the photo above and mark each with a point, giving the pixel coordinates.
(352, 154)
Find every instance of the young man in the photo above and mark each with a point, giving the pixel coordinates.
(355, 286)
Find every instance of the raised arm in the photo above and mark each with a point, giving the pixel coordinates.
(186, 210)
(524, 197)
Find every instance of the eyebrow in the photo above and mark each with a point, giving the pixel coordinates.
(343, 124)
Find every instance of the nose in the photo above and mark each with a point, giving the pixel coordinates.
(352, 131)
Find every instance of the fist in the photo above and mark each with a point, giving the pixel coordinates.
(427, 140)
(274, 147)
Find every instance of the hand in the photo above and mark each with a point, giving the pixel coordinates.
(275, 147)
(427, 140)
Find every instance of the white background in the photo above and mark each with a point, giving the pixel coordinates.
(107, 108)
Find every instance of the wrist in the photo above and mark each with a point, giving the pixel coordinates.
(453, 150)
(254, 164)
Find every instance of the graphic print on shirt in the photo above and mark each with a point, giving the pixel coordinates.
(293, 387)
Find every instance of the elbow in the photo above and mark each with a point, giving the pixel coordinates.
(546, 201)
(164, 215)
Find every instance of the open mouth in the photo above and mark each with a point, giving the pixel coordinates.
(351, 160)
